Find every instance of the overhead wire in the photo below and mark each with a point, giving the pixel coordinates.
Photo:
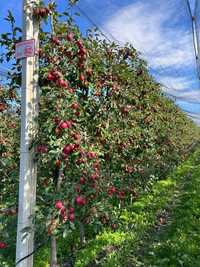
(100, 29)
(176, 96)
(191, 112)
(181, 99)
(3, 72)
(194, 118)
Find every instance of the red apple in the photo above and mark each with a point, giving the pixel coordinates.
(70, 37)
(80, 201)
(59, 205)
(66, 125)
(62, 83)
(79, 43)
(91, 155)
(63, 214)
(55, 40)
(3, 245)
(75, 106)
(81, 78)
(71, 210)
(50, 77)
(56, 74)
(68, 149)
(94, 176)
(71, 217)
(82, 52)
(42, 149)
(82, 180)
(113, 189)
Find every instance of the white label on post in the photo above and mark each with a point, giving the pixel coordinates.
(25, 49)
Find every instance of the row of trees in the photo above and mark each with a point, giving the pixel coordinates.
(105, 131)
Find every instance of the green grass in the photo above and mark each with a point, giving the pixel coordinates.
(177, 244)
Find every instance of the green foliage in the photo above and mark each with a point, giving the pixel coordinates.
(41, 258)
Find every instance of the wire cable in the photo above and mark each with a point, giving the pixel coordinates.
(181, 99)
(100, 29)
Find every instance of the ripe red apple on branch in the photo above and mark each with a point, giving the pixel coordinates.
(3, 245)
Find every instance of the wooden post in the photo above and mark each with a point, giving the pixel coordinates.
(29, 113)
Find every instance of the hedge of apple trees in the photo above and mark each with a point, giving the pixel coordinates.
(105, 131)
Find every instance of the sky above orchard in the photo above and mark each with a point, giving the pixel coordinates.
(159, 29)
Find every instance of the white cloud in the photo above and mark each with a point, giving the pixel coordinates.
(148, 26)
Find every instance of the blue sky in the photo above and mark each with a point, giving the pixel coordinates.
(159, 29)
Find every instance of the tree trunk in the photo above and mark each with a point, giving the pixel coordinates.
(82, 234)
(53, 262)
